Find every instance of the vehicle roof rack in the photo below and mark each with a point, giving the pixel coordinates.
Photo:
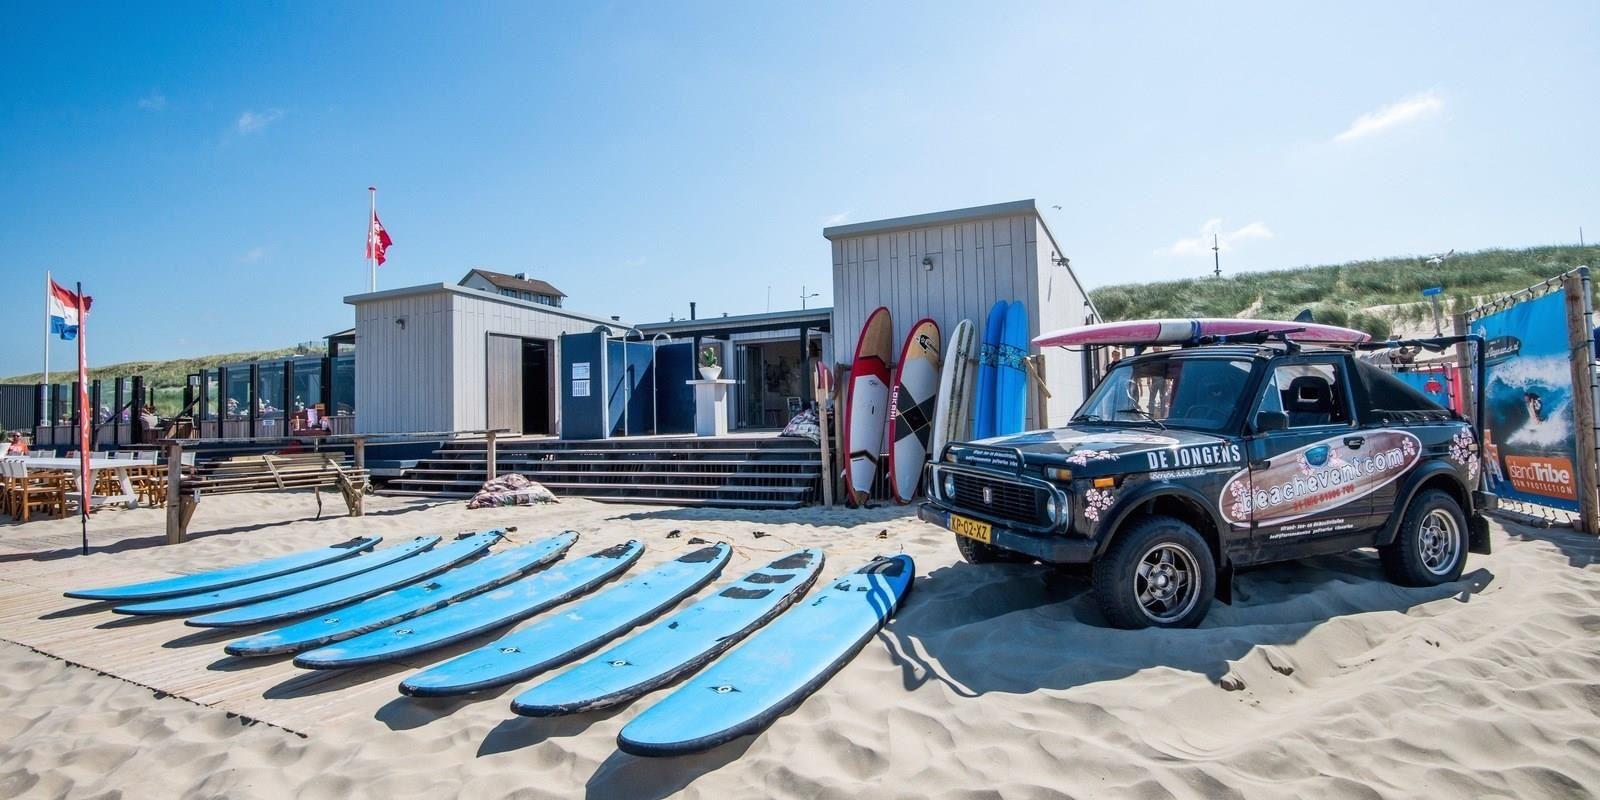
(1251, 337)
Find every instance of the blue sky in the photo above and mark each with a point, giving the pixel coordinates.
(202, 169)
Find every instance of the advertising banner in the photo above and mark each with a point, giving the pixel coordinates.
(1530, 443)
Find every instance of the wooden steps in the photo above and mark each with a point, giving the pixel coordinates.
(736, 472)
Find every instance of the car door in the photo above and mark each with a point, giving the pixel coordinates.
(1304, 455)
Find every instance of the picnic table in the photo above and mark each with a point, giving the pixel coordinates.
(120, 466)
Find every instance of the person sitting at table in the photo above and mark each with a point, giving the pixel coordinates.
(17, 447)
(151, 424)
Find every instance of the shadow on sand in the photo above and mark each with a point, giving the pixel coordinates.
(1017, 629)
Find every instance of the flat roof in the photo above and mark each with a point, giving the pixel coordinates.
(936, 218)
(479, 294)
(816, 318)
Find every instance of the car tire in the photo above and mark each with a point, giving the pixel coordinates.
(1430, 546)
(976, 552)
(1176, 555)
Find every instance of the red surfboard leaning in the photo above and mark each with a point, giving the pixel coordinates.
(868, 409)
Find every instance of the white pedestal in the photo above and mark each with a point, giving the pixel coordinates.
(710, 407)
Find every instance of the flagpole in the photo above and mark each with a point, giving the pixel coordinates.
(48, 283)
(85, 485)
(372, 255)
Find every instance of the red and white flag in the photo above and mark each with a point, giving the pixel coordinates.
(378, 240)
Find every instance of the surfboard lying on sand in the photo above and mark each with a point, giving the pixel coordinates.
(229, 576)
(1011, 375)
(1183, 331)
(952, 422)
(281, 585)
(911, 408)
(868, 408)
(479, 613)
(677, 645)
(994, 329)
(572, 631)
(777, 668)
(353, 588)
(406, 602)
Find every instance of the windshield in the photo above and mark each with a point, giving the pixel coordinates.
(1198, 393)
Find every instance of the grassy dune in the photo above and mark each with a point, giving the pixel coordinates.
(1346, 294)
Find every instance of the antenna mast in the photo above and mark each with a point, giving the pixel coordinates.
(1216, 257)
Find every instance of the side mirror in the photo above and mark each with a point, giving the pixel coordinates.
(1271, 421)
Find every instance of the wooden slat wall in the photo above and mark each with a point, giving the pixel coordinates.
(403, 375)
(504, 375)
(975, 263)
(473, 319)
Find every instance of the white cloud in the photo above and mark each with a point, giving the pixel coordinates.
(253, 255)
(1410, 109)
(254, 121)
(836, 219)
(1225, 240)
(154, 101)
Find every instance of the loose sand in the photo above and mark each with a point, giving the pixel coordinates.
(1322, 680)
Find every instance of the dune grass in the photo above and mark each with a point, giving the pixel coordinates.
(1345, 294)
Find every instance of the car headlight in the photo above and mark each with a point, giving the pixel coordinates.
(1052, 508)
(948, 486)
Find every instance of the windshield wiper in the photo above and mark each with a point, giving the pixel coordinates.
(1143, 413)
(1091, 418)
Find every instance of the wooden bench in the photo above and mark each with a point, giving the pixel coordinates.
(269, 473)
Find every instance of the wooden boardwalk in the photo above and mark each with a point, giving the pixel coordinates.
(39, 561)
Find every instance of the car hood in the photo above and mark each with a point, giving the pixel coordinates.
(1090, 450)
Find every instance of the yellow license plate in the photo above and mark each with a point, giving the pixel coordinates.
(971, 528)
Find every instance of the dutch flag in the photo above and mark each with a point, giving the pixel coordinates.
(64, 311)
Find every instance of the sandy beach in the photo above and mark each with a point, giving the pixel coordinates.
(1322, 680)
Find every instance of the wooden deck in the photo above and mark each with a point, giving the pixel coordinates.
(40, 560)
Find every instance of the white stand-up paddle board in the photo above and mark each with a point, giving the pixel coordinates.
(911, 407)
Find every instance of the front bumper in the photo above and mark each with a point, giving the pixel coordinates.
(1050, 548)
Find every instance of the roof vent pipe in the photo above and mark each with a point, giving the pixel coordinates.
(691, 309)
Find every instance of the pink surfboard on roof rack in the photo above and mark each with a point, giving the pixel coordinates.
(1184, 331)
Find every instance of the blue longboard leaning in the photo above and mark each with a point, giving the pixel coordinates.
(407, 602)
(572, 631)
(983, 417)
(1011, 374)
(479, 613)
(677, 645)
(281, 585)
(777, 668)
(229, 576)
(353, 588)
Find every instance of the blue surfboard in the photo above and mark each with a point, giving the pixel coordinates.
(479, 613)
(776, 669)
(574, 630)
(229, 576)
(983, 418)
(353, 588)
(1011, 375)
(281, 585)
(677, 645)
(407, 602)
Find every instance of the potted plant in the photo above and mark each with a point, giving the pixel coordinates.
(709, 368)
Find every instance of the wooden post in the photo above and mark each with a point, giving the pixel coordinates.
(820, 395)
(360, 447)
(1580, 350)
(174, 493)
(491, 467)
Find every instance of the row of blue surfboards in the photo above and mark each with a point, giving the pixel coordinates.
(351, 604)
(1001, 403)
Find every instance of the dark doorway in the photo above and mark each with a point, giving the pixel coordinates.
(535, 386)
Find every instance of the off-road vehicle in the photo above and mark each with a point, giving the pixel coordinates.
(1184, 465)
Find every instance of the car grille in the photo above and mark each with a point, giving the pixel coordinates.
(1007, 500)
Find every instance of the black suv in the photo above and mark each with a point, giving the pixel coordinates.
(1184, 465)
